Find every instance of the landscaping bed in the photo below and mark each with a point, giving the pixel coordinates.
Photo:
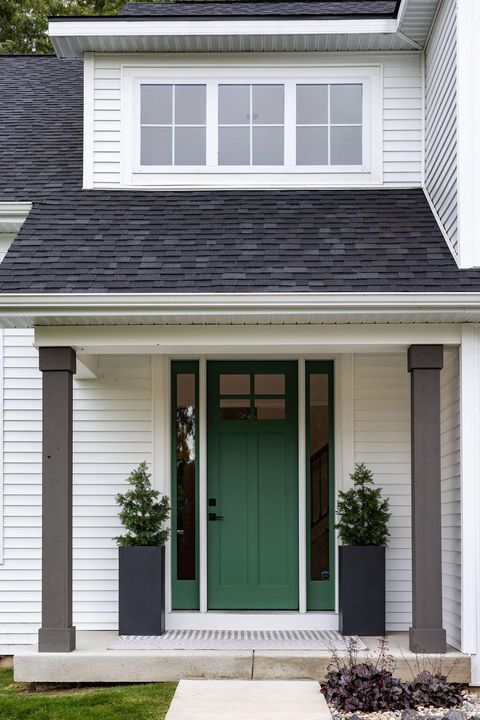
(364, 686)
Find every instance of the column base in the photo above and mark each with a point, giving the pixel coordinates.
(56, 639)
(430, 640)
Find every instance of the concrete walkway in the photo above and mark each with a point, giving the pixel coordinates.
(248, 700)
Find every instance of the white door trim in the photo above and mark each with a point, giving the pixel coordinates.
(302, 491)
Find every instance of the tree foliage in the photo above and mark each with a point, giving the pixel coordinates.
(363, 514)
(24, 23)
(144, 512)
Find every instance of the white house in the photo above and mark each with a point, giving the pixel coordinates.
(264, 213)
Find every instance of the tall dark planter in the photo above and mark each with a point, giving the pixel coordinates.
(362, 590)
(141, 590)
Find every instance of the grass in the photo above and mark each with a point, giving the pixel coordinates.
(18, 701)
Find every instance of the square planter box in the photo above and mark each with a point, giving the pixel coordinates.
(362, 590)
(141, 590)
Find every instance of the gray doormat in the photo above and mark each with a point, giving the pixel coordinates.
(238, 640)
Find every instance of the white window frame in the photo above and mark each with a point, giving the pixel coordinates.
(287, 175)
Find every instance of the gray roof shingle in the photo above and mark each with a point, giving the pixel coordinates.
(233, 241)
(41, 118)
(319, 8)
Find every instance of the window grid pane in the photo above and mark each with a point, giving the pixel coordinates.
(179, 153)
(348, 152)
(232, 126)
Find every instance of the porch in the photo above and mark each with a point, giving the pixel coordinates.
(92, 661)
(121, 410)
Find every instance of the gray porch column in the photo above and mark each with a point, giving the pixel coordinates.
(58, 364)
(424, 365)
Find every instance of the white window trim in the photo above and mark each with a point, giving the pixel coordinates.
(287, 175)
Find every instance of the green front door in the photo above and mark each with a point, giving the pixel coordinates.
(252, 486)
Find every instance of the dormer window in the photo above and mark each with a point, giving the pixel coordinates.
(251, 124)
(313, 123)
(173, 125)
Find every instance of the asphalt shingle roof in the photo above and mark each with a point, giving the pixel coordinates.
(41, 118)
(320, 8)
(229, 240)
(233, 241)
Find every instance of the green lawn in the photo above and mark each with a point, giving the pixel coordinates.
(54, 702)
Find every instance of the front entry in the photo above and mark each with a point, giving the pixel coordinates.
(252, 486)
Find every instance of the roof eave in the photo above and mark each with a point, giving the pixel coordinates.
(73, 37)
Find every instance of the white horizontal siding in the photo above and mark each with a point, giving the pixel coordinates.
(441, 119)
(107, 122)
(112, 434)
(382, 442)
(451, 509)
(401, 99)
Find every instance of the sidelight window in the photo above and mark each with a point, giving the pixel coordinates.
(185, 485)
(320, 506)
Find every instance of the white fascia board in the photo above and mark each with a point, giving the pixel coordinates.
(254, 26)
(100, 304)
(12, 215)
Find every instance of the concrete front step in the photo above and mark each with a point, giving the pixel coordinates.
(158, 665)
(92, 662)
(241, 700)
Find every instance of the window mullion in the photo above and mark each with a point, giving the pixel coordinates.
(289, 123)
(212, 124)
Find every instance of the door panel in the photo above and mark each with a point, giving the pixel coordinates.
(253, 481)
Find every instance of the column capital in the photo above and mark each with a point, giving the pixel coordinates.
(425, 357)
(57, 359)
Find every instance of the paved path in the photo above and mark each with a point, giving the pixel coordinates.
(248, 700)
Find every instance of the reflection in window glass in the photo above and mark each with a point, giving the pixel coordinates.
(250, 124)
(346, 104)
(269, 384)
(270, 408)
(329, 124)
(185, 457)
(319, 431)
(234, 384)
(173, 124)
(312, 145)
(234, 409)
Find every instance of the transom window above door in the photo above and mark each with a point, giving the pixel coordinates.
(262, 126)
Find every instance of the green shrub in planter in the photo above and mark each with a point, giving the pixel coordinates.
(363, 528)
(143, 514)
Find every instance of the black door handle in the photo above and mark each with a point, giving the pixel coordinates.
(214, 516)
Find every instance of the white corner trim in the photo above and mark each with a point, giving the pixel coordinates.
(203, 489)
(160, 445)
(470, 495)
(88, 119)
(468, 141)
(437, 216)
